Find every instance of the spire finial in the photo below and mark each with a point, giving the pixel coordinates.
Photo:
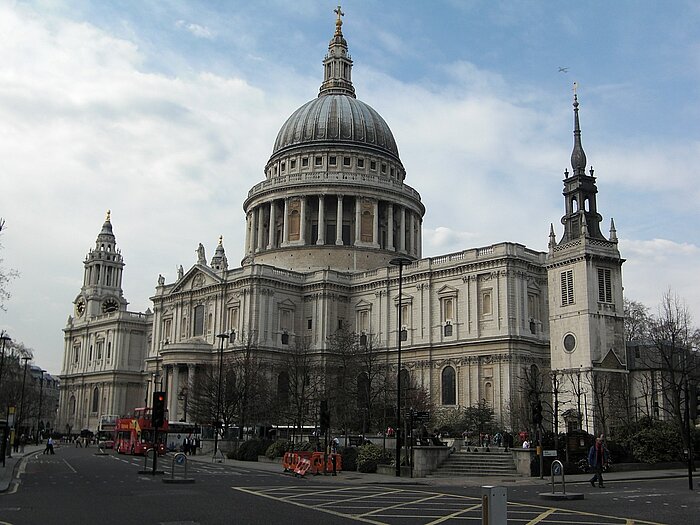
(578, 157)
(109, 213)
(221, 240)
(338, 20)
(613, 231)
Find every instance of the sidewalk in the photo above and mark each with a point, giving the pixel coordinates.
(9, 471)
(475, 481)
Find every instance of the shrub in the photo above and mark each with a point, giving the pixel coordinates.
(304, 446)
(368, 457)
(251, 449)
(278, 448)
(660, 442)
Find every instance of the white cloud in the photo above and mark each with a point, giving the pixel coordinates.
(197, 30)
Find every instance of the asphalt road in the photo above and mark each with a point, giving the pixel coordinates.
(76, 486)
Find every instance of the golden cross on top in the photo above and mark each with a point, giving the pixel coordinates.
(338, 21)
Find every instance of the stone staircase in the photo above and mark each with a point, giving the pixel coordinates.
(469, 464)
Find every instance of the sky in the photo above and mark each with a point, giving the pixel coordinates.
(166, 112)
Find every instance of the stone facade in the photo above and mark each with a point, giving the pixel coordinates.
(321, 228)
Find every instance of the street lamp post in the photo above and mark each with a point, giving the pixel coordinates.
(4, 337)
(20, 415)
(400, 262)
(41, 399)
(222, 337)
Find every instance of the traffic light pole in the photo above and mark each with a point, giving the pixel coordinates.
(155, 448)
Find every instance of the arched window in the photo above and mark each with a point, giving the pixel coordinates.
(72, 405)
(294, 225)
(283, 388)
(449, 387)
(198, 320)
(95, 400)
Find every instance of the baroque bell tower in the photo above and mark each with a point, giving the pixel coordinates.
(584, 270)
(101, 292)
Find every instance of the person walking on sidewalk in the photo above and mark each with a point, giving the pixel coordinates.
(597, 458)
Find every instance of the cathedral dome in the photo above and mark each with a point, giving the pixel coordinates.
(336, 119)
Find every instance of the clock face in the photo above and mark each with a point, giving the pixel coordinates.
(80, 307)
(110, 305)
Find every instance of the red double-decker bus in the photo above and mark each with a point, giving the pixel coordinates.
(135, 435)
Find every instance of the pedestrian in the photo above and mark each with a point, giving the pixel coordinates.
(22, 443)
(335, 445)
(78, 442)
(598, 456)
(526, 444)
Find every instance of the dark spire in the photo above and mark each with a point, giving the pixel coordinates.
(337, 65)
(578, 156)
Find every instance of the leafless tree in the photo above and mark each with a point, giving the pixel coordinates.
(6, 275)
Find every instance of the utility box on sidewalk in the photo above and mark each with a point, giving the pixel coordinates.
(494, 505)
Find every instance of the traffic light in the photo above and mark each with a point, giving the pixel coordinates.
(158, 409)
(537, 413)
(325, 417)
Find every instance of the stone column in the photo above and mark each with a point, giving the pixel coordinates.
(339, 222)
(285, 223)
(261, 228)
(390, 227)
(272, 230)
(302, 221)
(358, 220)
(375, 222)
(321, 239)
(419, 243)
(172, 411)
(402, 230)
(412, 233)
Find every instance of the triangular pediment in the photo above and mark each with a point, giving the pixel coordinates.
(447, 290)
(286, 304)
(363, 305)
(611, 362)
(199, 276)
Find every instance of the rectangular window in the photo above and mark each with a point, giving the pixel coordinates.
(283, 165)
(373, 165)
(486, 303)
(285, 320)
(292, 164)
(346, 161)
(167, 324)
(332, 161)
(383, 168)
(76, 354)
(360, 163)
(99, 350)
(318, 161)
(363, 321)
(304, 162)
(109, 350)
(567, 287)
(308, 324)
(233, 318)
(604, 286)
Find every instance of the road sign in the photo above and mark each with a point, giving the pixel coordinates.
(549, 453)
(421, 417)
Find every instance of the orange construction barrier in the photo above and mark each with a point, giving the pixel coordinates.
(317, 463)
(302, 467)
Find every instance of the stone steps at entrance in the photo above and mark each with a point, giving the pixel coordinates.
(462, 463)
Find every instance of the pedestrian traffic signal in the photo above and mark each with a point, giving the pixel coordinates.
(158, 409)
(537, 413)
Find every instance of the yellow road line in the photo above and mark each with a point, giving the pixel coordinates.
(455, 514)
(542, 516)
(309, 507)
(402, 504)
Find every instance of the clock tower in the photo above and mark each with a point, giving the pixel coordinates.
(101, 292)
(584, 272)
